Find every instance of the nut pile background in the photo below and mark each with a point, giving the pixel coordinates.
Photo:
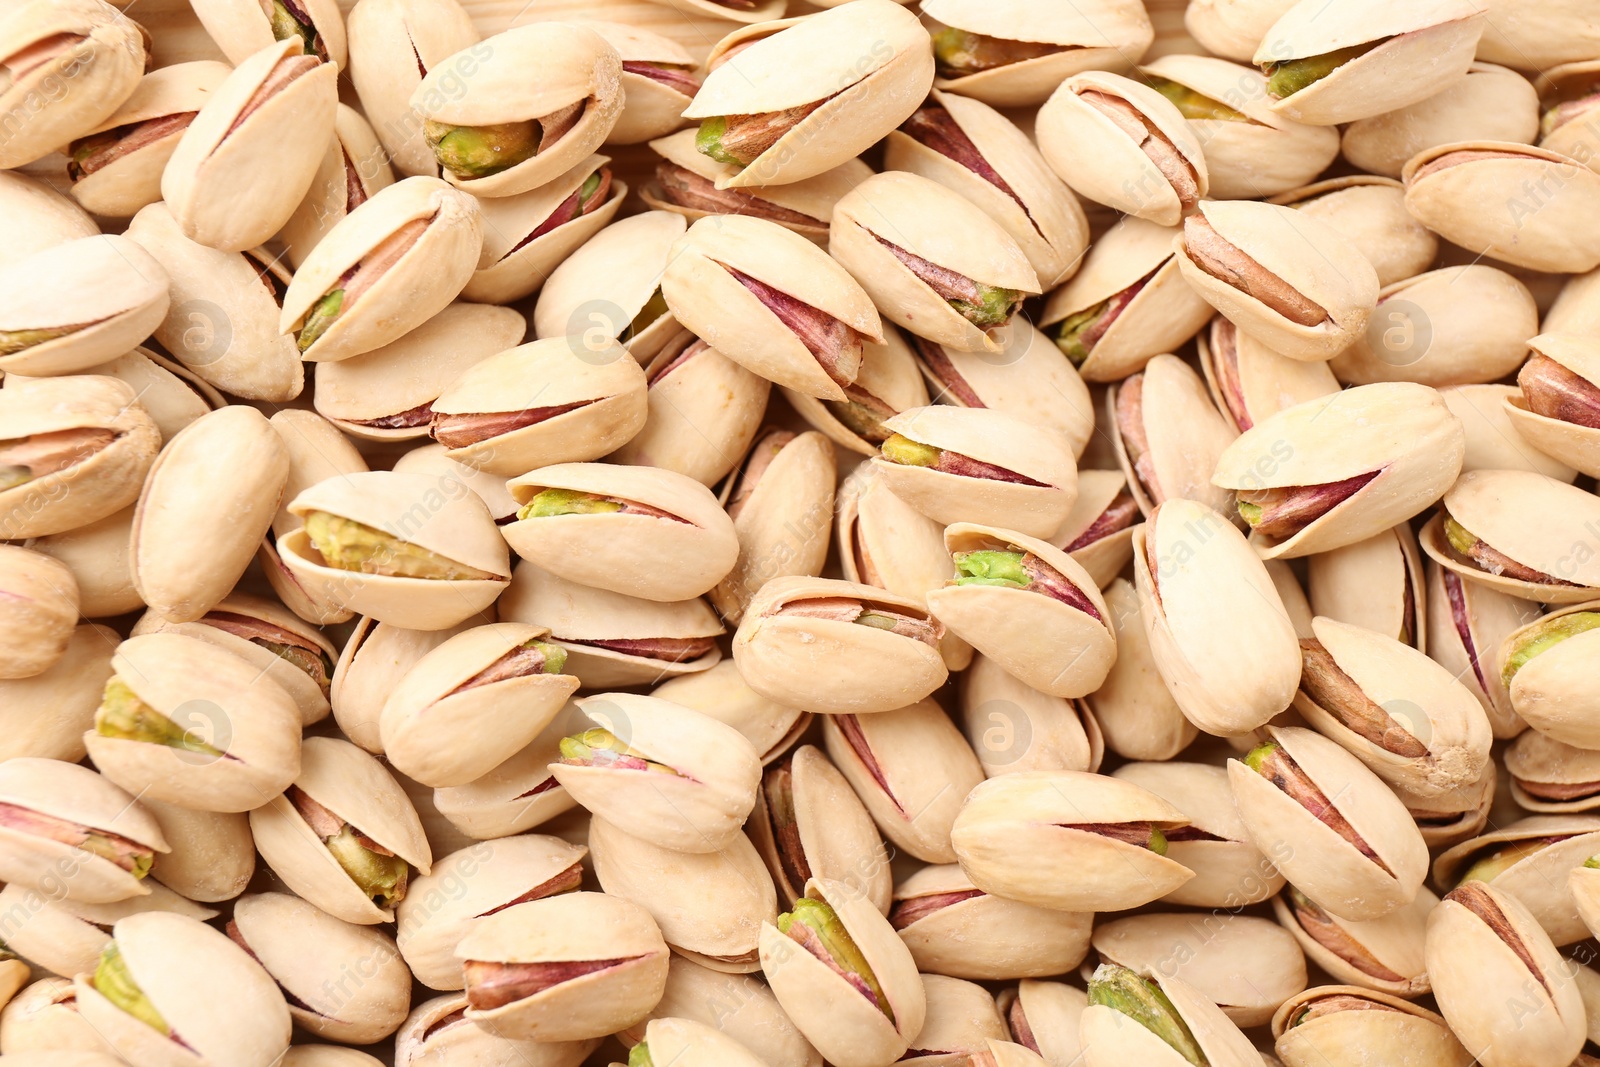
(979, 533)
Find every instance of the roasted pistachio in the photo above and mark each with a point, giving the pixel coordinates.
(242, 27)
(1489, 102)
(1344, 1024)
(954, 928)
(1158, 1020)
(1168, 436)
(1385, 954)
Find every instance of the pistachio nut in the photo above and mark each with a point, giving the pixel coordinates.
(1482, 946)
(1376, 584)
(243, 27)
(1291, 281)
(434, 461)
(1043, 1016)
(1233, 28)
(1584, 888)
(969, 147)
(787, 100)
(66, 937)
(1519, 533)
(1489, 102)
(961, 1021)
(386, 268)
(170, 393)
(809, 823)
(527, 235)
(438, 1032)
(1068, 840)
(309, 1055)
(565, 968)
(41, 218)
(1528, 859)
(1159, 1019)
(981, 605)
(1452, 817)
(397, 547)
(1329, 824)
(69, 65)
(1494, 442)
(1229, 870)
(893, 232)
(887, 383)
(1551, 777)
(1122, 143)
(658, 81)
(1372, 214)
(609, 288)
(911, 768)
(1013, 727)
(307, 952)
(1566, 109)
(770, 727)
(45, 715)
(1250, 382)
(1558, 411)
(1467, 626)
(842, 975)
(344, 837)
(883, 648)
(1132, 708)
(954, 928)
(612, 639)
(689, 1043)
(519, 794)
(1537, 37)
(447, 721)
(1168, 435)
(1014, 54)
(1127, 303)
(1340, 1025)
(213, 856)
(43, 1027)
(1471, 194)
(1383, 954)
(1098, 531)
(738, 1005)
(1192, 569)
(169, 989)
(38, 611)
(354, 168)
(641, 531)
(494, 132)
(374, 658)
(1542, 663)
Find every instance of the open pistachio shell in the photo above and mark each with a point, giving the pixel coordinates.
(1371, 213)
(694, 1044)
(740, 1006)
(1098, 532)
(1168, 436)
(438, 1032)
(1528, 859)
(1111, 1037)
(1494, 443)
(887, 383)
(1014, 727)
(961, 1021)
(658, 81)
(213, 856)
(1550, 777)
(1384, 954)
(847, 1025)
(1565, 111)
(1376, 584)
(354, 168)
(1489, 103)
(608, 286)
(374, 658)
(170, 393)
(1452, 817)
(1567, 440)
(67, 937)
(1044, 1016)
(770, 727)
(1068, 840)
(205, 991)
(1250, 382)
(954, 928)
(1341, 1025)
(1542, 664)
(243, 27)
(520, 793)
(433, 460)
(45, 715)
(802, 641)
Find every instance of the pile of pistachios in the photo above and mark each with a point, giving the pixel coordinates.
(755, 533)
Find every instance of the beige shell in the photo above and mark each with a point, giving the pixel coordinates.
(1233, 28)
(1318, 860)
(987, 937)
(1489, 103)
(355, 166)
(1555, 843)
(925, 219)
(695, 1044)
(721, 693)
(1450, 818)
(39, 607)
(889, 374)
(41, 217)
(1050, 1011)
(1132, 707)
(1494, 443)
(45, 715)
(436, 1033)
(1016, 836)
(1566, 442)
(1258, 383)
(961, 1021)
(67, 937)
(374, 658)
(829, 666)
(1548, 692)
(848, 1029)
(1014, 727)
(1185, 437)
(1371, 213)
(1351, 1036)
(650, 108)
(1392, 944)
(241, 28)
(604, 285)
(1110, 1037)
(433, 460)
(740, 1006)
(1376, 584)
(518, 795)
(1575, 307)
(1108, 552)
(213, 856)
(1549, 777)
(44, 1029)
(170, 393)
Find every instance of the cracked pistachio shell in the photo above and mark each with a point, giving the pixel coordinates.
(605, 384)
(1192, 569)
(1535, 873)
(518, 795)
(1009, 625)
(213, 856)
(862, 90)
(993, 437)
(309, 953)
(355, 787)
(770, 727)
(131, 180)
(93, 57)
(1163, 314)
(440, 727)
(353, 169)
(374, 658)
(1488, 103)
(218, 700)
(1399, 433)
(888, 374)
(1132, 707)
(1575, 136)
(1107, 34)
(449, 521)
(927, 220)
(466, 885)
(242, 167)
(486, 83)
(1095, 156)
(46, 715)
(66, 937)
(171, 394)
(1039, 212)
(514, 263)
(1414, 50)
(437, 1034)
(1322, 862)
(1494, 443)
(1550, 777)
(1110, 1037)
(1371, 213)
(1350, 1036)
(644, 555)
(1476, 320)
(984, 937)
(583, 619)
(1552, 691)
(563, 929)
(961, 1021)
(1014, 727)
(649, 108)
(707, 299)
(830, 666)
(392, 44)
(687, 1043)
(39, 217)
(738, 1005)
(223, 322)
(44, 1028)
(107, 292)
(700, 807)
(1310, 255)
(1044, 1015)
(224, 1006)
(606, 283)
(848, 1028)
(1249, 382)
(1233, 28)
(911, 768)
(709, 905)
(359, 394)
(1481, 203)
(243, 27)
(1183, 435)
(1016, 837)
(38, 610)
(428, 274)
(1383, 954)
(210, 497)
(1229, 870)
(1244, 964)
(1536, 521)
(1474, 965)
(1107, 554)
(836, 837)
(1566, 442)
(1376, 584)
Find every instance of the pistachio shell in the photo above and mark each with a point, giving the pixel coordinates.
(1376, 584)
(983, 936)
(45, 715)
(212, 857)
(1371, 213)
(1348, 1036)
(1546, 691)
(1555, 844)
(67, 937)
(433, 460)
(40, 217)
(738, 1005)
(437, 1033)
(889, 375)
(1102, 550)
(1250, 382)
(962, 1020)
(1550, 777)
(1494, 441)
(1383, 954)
(1452, 817)
(44, 1028)
(1567, 442)
(721, 693)
(1044, 1015)
(1014, 727)
(605, 284)
(241, 27)
(650, 108)
(1110, 1037)
(354, 167)
(374, 659)
(519, 794)
(1183, 435)
(1488, 103)
(40, 598)
(782, 525)
(170, 393)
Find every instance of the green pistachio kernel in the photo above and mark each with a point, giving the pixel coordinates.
(352, 546)
(991, 567)
(124, 716)
(1195, 105)
(323, 314)
(14, 341)
(653, 309)
(552, 502)
(479, 151)
(1259, 755)
(1124, 991)
(13, 476)
(1593, 863)
(708, 141)
(1158, 842)
(1461, 539)
(113, 981)
(1544, 636)
(1493, 864)
(820, 920)
(555, 657)
(901, 449)
(1286, 79)
(285, 25)
(1250, 513)
(1069, 335)
(99, 844)
(875, 620)
(640, 1056)
(956, 49)
(599, 747)
(995, 305)
(381, 878)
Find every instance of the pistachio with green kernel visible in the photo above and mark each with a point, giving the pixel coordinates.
(1159, 1020)
(1123, 991)
(243, 27)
